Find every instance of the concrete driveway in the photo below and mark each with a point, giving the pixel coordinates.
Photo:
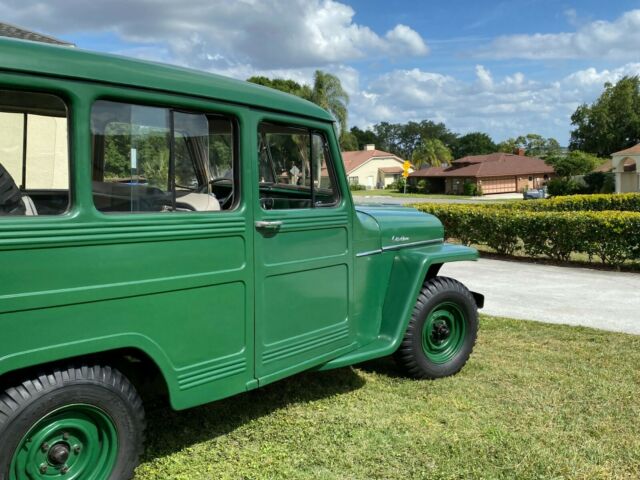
(573, 296)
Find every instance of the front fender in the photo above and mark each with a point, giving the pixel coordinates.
(409, 270)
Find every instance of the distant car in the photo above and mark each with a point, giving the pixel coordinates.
(534, 194)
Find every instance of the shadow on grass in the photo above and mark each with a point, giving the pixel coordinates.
(384, 366)
(169, 431)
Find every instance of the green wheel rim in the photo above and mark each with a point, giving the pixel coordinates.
(75, 442)
(443, 332)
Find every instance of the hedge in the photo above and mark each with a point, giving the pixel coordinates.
(626, 202)
(612, 236)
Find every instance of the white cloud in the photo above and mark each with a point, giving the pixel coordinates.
(617, 40)
(506, 107)
(209, 33)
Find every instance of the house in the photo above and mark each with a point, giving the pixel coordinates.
(11, 31)
(625, 165)
(493, 173)
(372, 168)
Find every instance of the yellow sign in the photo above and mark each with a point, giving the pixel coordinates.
(405, 168)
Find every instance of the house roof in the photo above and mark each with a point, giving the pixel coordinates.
(491, 165)
(635, 150)
(11, 31)
(354, 159)
(607, 166)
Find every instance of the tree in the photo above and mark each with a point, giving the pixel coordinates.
(284, 85)
(534, 145)
(432, 152)
(475, 143)
(574, 163)
(612, 122)
(327, 92)
(365, 137)
(348, 142)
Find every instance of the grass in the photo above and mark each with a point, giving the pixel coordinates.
(393, 193)
(536, 401)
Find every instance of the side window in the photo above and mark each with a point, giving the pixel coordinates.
(150, 159)
(34, 154)
(295, 169)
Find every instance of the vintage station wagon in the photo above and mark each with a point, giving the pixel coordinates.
(162, 223)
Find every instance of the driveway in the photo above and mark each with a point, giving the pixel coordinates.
(573, 296)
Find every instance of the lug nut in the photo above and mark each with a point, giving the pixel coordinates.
(44, 447)
(77, 449)
(64, 469)
(65, 436)
(43, 468)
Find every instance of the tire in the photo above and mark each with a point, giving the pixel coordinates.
(442, 331)
(85, 423)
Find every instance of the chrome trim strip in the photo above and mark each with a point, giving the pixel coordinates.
(370, 252)
(413, 244)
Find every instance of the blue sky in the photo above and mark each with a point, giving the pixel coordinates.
(507, 68)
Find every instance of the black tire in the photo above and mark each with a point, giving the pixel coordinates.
(411, 355)
(97, 387)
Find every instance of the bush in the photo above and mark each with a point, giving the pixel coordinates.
(422, 186)
(612, 236)
(562, 186)
(469, 188)
(356, 186)
(629, 202)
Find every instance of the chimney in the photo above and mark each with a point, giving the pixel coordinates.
(520, 151)
(369, 147)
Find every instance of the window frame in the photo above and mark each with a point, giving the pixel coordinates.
(62, 94)
(131, 99)
(329, 157)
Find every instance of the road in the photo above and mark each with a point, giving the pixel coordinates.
(568, 295)
(377, 199)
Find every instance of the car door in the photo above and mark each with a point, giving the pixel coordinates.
(302, 252)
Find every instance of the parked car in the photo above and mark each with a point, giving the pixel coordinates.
(164, 225)
(535, 193)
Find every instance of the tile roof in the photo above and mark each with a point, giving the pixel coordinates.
(390, 169)
(11, 31)
(491, 165)
(607, 166)
(635, 150)
(354, 159)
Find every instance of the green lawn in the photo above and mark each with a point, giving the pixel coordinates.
(536, 401)
(393, 193)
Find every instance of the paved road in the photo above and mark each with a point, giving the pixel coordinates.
(368, 199)
(574, 296)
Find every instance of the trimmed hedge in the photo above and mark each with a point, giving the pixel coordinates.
(612, 236)
(625, 202)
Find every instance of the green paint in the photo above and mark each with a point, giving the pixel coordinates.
(443, 332)
(218, 305)
(73, 442)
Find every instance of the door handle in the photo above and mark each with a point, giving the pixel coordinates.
(268, 225)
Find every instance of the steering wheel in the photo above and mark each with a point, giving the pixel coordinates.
(225, 201)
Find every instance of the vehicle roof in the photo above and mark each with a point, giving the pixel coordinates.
(61, 61)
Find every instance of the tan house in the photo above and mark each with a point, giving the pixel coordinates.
(372, 168)
(625, 165)
(492, 173)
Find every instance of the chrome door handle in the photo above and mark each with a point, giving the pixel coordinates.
(271, 225)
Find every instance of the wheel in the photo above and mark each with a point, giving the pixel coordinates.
(442, 330)
(84, 423)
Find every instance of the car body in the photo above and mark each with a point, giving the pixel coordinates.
(216, 282)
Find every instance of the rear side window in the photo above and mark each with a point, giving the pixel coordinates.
(150, 159)
(34, 154)
(295, 168)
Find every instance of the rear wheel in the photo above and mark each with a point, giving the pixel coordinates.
(83, 423)
(442, 330)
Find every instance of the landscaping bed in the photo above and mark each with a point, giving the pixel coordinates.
(535, 401)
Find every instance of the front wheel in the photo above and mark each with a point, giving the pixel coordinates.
(442, 330)
(82, 423)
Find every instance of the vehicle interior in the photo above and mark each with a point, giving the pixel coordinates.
(34, 158)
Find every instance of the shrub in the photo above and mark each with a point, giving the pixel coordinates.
(469, 188)
(622, 202)
(356, 186)
(562, 186)
(612, 236)
(422, 186)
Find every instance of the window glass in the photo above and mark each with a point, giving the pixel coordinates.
(294, 168)
(34, 154)
(150, 159)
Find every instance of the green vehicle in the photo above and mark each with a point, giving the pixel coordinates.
(169, 231)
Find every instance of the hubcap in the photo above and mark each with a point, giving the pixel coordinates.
(76, 442)
(443, 332)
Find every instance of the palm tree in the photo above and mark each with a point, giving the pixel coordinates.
(432, 152)
(327, 92)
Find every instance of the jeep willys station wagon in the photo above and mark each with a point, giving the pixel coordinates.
(161, 223)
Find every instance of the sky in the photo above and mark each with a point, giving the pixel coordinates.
(506, 68)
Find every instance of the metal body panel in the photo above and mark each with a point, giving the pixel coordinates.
(219, 306)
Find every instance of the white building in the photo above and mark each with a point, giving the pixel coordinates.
(372, 168)
(626, 167)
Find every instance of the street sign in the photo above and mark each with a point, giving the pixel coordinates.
(405, 168)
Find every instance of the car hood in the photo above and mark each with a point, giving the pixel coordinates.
(398, 226)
